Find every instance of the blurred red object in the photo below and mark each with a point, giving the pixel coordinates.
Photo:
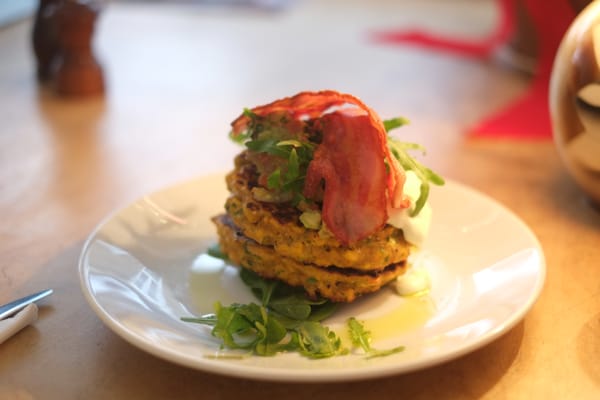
(528, 116)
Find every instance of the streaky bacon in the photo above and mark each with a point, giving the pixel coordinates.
(351, 161)
(352, 165)
(302, 105)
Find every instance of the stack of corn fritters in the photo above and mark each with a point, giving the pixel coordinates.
(269, 239)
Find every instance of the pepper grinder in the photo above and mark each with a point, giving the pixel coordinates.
(77, 70)
(44, 38)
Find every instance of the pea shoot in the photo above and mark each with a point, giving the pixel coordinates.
(284, 321)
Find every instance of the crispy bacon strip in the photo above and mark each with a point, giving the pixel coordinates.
(302, 105)
(352, 165)
(350, 160)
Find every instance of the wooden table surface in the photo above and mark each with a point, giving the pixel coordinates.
(177, 74)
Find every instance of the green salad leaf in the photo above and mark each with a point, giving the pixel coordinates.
(394, 123)
(316, 340)
(285, 321)
(272, 135)
(261, 288)
(289, 178)
(400, 150)
(215, 251)
(361, 338)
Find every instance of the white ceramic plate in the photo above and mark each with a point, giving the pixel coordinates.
(137, 272)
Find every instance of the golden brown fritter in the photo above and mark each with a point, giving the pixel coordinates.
(278, 225)
(268, 238)
(333, 283)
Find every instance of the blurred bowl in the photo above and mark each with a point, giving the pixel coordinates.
(575, 100)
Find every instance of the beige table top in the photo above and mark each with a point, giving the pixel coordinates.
(176, 76)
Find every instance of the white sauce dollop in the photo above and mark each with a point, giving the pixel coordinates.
(414, 281)
(415, 228)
